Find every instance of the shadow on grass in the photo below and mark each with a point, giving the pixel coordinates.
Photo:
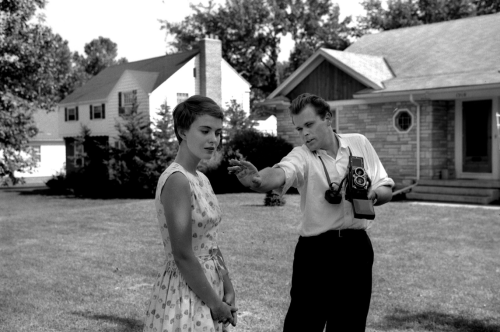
(436, 321)
(125, 324)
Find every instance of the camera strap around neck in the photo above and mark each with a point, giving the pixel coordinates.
(326, 172)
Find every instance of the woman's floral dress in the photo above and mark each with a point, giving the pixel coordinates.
(173, 306)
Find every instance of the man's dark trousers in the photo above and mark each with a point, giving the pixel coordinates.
(331, 282)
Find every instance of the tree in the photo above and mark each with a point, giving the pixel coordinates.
(405, 13)
(133, 166)
(35, 64)
(101, 53)
(165, 142)
(316, 24)
(236, 119)
(251, 32)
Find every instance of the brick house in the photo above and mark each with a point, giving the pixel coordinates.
(149, 83)
(427, 97)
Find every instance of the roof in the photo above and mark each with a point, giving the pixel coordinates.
(368, 69)
(455, 53)
(448, 54)
(47, 124)
(155, 71)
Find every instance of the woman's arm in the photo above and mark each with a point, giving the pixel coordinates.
(229, 293)
(178, 215)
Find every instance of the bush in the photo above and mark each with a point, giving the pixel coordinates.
(57, 184)
(274, 199)
(260, 149)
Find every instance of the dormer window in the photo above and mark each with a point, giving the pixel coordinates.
(181, 97)
(97, 112)
(126, 101)
(71, 114)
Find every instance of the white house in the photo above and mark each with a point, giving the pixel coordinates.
(47, 148)
(150, 83)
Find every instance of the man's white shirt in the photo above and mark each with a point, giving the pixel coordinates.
(304, 171)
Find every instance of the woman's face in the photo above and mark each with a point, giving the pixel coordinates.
(203, 136)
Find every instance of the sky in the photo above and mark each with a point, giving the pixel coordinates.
(133, 24)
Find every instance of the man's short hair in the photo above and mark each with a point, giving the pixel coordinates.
(318, 103)
(185, 113)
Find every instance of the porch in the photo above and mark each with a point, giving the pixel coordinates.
(456, 191)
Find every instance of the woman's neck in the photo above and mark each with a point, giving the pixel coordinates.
(186, 159)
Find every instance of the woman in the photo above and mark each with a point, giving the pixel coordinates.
(193, 292)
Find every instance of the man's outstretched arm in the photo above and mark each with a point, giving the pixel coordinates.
(262, 181)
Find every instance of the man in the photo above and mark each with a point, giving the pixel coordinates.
(332, 268)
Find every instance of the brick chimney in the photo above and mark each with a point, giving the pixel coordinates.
(210, 69)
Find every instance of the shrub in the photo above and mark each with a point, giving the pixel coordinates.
(274, 199)
(260, 149)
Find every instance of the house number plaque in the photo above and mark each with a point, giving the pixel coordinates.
(461, 94)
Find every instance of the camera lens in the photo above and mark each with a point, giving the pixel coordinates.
(360, 181)
(359, 171)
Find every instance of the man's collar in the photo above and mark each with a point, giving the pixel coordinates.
(342, 142)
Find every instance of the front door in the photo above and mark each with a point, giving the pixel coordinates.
(476, 134)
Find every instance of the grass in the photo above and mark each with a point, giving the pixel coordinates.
(70, 264)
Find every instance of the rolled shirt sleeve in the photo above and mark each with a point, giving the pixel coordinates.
(294, 165)
(375, 169)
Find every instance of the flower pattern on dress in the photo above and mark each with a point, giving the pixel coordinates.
(173, 306)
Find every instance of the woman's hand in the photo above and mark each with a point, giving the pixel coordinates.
(246, 172)
(230, 298)
(223, 313)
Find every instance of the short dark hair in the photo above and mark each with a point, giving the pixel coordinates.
(185, 113)
(318, 103)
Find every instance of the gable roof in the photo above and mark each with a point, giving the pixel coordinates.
(368, 69)
(100, 86)
(455, 53)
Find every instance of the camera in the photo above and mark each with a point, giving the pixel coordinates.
(333, 196)
(357, 186)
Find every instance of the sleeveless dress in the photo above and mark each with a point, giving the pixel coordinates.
(173, 306)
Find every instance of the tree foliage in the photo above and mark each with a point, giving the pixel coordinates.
(236, 119)
(37, 70)
(251, 32)
(316, 25)
(35, 65)
(100, 53)
(405, 13)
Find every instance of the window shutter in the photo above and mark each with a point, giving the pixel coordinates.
(76, 113)
(120, 109)
(65, 114)
(91, 112)
(135, 96)
(194, 72)
(103, 111)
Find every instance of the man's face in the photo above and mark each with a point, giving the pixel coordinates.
(313, 130)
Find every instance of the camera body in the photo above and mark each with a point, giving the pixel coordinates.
(357, 189)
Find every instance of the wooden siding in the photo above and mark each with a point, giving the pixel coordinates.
(328, 82)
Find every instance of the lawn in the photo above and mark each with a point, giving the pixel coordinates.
(69, 264)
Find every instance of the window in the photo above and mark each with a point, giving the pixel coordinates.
(126, 101)
(403, 120)
(35, 152)
(79, 155)
(97, 112)
(71, 114)
(119, 145)
(181, 97)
